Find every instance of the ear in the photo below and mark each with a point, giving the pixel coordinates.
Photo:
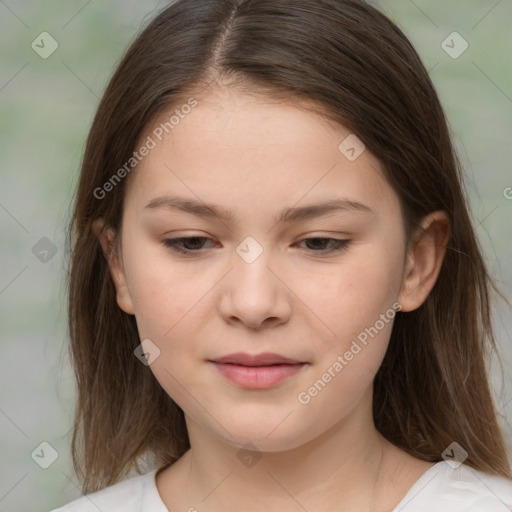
(107, 237)
(424, 259)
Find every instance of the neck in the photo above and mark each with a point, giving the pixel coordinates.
(341, 466)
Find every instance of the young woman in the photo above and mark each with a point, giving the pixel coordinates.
(276, 295)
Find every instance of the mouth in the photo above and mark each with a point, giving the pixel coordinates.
(261, 371)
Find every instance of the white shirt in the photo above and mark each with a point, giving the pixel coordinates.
(440, 489)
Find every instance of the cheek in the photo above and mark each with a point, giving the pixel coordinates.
(358, 306)
(167, 308)
(163, 292)
(356, 302)
(353, 295)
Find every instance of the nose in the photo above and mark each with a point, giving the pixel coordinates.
(255, 294)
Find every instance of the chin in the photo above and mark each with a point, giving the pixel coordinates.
(259, 443)
(264, 439)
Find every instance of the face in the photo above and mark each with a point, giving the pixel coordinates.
(270, 274)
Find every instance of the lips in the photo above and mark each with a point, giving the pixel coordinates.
(265, 359)
(260, 371)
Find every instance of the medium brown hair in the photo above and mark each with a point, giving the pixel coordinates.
(360, 69)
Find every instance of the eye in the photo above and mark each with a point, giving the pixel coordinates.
(194, 244)
(320, 243)
(194, 241)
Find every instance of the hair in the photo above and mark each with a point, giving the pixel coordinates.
(355, 66)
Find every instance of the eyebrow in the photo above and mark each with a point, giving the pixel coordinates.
(287, 215)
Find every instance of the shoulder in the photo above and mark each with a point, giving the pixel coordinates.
(134, 494)
(458, 489)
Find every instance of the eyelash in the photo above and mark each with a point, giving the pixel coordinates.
(172, 244)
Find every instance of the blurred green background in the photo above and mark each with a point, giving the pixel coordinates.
(47, 105)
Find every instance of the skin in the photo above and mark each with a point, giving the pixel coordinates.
(255, 157)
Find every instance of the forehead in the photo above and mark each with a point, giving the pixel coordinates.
(251, 151)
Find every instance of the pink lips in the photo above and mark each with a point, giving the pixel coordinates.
(259, 371)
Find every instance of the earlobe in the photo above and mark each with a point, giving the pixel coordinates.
(424, 260)
(106, 237)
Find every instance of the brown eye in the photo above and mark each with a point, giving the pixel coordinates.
(195, 244)
(192, 244)
(320, 244)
